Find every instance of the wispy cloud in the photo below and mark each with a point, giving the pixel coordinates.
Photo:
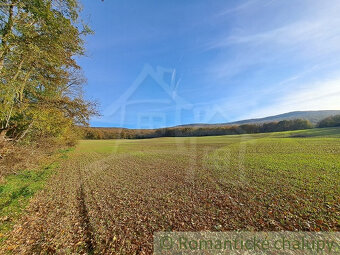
(291, 34)
(246, 58)
(304, 39)
(295, 49)
(322, 95)
(313, 34)
(240, 7)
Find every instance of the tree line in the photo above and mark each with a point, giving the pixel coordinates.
(332, 121)
(41, 84)
(119, 133)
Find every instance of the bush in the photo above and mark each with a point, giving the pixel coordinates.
(332, 121)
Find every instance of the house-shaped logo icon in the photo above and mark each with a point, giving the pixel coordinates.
(151, 101)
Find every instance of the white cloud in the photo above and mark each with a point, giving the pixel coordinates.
(238, 8)
(324, 95)
(294, 33)
(314, 35)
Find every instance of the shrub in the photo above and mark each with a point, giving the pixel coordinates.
(332, 121)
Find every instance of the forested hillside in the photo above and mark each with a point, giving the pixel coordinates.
(313, 116)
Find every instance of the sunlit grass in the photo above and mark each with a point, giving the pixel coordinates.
(17, 190)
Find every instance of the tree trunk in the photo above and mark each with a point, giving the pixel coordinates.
(3, 135)
(21, 91)
(7, 31)
(25, 132)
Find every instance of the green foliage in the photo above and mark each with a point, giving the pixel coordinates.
(41, 83)
(333, 121)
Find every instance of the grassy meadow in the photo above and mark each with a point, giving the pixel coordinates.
(110, 196)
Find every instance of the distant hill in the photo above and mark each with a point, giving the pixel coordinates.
(312, 116)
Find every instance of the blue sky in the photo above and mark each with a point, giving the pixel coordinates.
(164, 63)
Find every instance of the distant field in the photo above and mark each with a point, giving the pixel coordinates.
(111, 195)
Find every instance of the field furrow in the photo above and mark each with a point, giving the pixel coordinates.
(110, 200)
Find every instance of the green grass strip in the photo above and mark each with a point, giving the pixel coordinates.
(18, 189)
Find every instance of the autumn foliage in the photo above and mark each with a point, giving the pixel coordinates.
(41, 82)
(122, 133)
